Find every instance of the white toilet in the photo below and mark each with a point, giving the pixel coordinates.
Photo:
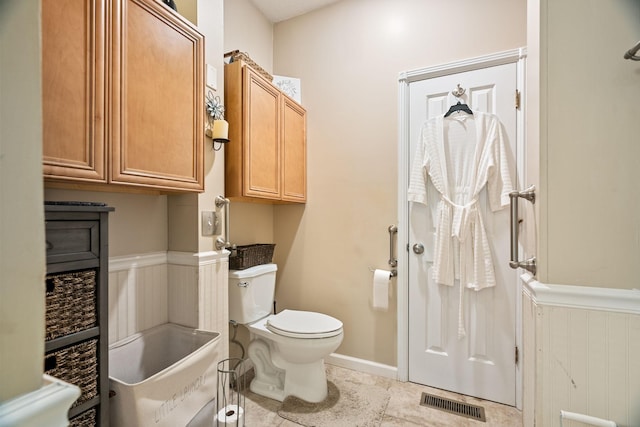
(288, 348)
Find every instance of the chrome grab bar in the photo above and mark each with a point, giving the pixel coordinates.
(393, 261)
(530, 195)
(223, 242)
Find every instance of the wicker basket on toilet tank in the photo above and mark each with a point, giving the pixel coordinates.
(251, 255)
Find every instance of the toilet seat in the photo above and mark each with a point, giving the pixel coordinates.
(303, 324)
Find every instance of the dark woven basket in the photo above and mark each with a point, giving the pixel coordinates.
(85, 419)
(77, 365)
(70, 302)
(251, 255)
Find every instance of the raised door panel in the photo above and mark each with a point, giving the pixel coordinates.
(157, 98)
(73, 87)
(294, 151)
(261, 137)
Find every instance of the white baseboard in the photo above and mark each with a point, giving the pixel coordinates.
(348, 362)
(362, 365)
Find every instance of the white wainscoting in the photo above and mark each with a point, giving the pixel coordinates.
(199, 292)
(190, 289)
(138, 296)
(582, 353)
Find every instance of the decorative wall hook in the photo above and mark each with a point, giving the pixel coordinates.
(631, 53)
(459, 91)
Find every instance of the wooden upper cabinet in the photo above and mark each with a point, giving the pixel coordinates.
(123, 102)
(73, 89)
(157, 126)
(266, 156)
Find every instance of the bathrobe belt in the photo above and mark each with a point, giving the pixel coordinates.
(460, 218)
(460, 221)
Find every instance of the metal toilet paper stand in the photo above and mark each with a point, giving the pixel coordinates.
(230, 399)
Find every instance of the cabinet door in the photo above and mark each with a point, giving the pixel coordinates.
(294, 151)
(157, 98)
(261, 136)
(73, 88)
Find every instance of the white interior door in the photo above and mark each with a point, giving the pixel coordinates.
(481, 364)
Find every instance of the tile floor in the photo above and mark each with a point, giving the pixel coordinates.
(403, 408)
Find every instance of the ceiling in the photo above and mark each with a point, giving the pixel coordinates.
(281, 10)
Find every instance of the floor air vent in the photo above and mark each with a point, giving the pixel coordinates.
(453, 407)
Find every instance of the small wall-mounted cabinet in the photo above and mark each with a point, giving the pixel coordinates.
(123, 95)
(265, 159)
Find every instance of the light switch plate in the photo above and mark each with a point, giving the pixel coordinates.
(209, 221)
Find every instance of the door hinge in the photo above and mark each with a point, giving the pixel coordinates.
(517, 355)
(517, 99)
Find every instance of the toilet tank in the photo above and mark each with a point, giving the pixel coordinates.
(251, 293)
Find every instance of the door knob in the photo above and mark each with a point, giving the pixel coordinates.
(418, 248)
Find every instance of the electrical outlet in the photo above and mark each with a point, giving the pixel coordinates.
(209, 222)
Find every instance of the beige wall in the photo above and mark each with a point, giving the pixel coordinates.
(588, 109)
(22, 254)
(348, 56)
(582, 109)
(141, 223)
(588, 113)
(248, 30)
(211, 24)
(138, 225)
(184, 211)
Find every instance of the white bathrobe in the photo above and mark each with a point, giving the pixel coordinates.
(460, 154)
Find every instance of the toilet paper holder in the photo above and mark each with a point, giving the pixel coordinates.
(392, 273)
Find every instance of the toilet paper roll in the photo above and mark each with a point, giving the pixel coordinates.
(381, 289)
(230, 415)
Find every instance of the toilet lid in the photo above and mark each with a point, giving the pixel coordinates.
(304, 324)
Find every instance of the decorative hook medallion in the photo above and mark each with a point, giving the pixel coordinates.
(458, 92)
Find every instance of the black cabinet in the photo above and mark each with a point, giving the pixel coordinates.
(77, 304)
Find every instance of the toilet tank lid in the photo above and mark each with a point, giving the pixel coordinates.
(253, 271)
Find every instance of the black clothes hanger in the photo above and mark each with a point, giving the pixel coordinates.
(171, 4)
(459, 107)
